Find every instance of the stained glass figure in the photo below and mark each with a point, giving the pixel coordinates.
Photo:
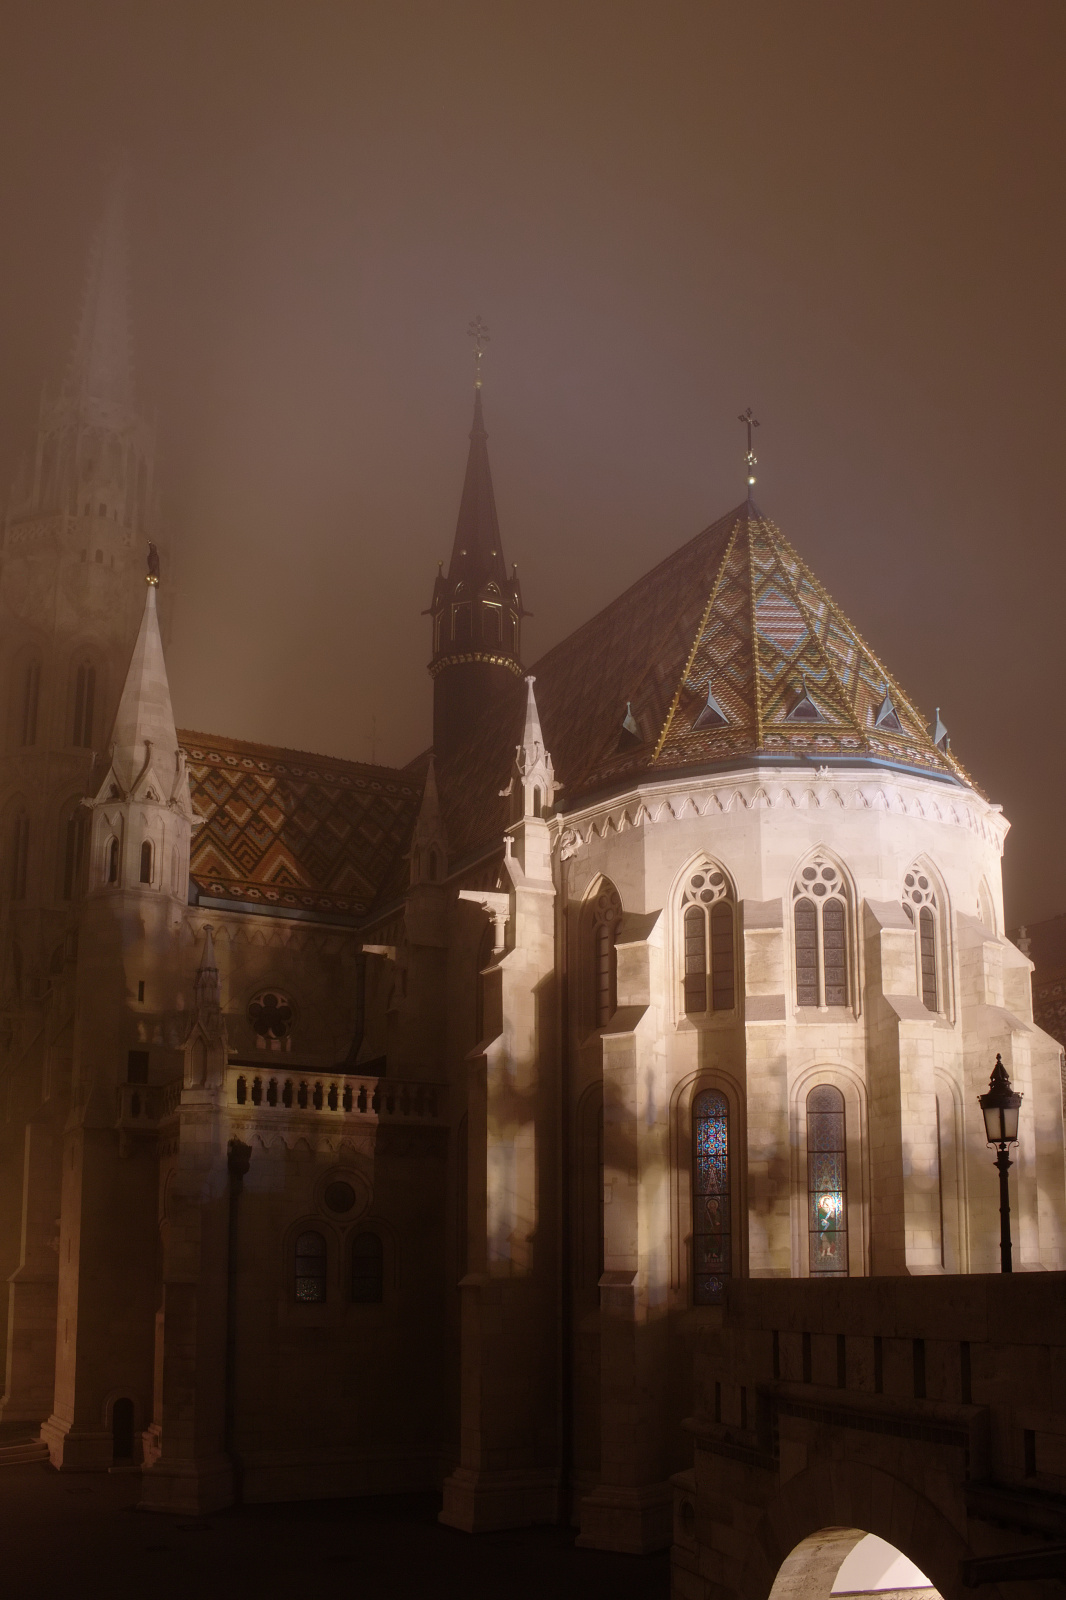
(827, 1183)
(711, 1221)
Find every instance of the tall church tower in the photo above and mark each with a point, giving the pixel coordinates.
(476, 609)
(72, 545)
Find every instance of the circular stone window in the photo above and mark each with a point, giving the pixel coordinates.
(339, 1196)
(271, 1015)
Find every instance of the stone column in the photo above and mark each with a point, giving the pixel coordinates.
(766, 1080)
(30, 1368)
(904, 1177)
(630, 1509)
(508, 1474)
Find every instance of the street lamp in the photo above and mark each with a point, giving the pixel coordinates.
(999, 1107)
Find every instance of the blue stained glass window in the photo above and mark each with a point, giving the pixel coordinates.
(827, 1183)
(711, 1212)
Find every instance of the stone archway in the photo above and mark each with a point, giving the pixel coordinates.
(818, 1516)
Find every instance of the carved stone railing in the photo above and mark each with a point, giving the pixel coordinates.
(340, 1096)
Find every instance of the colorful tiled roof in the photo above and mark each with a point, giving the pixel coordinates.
(294, 833)
(728, 650)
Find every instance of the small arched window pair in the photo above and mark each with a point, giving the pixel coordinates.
(708, 924)
(820, 913)
(920, 904)
(367, 1259)
(603, 914)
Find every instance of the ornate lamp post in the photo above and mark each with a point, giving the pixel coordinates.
(999, 1107)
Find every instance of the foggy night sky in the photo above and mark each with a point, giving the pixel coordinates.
(847, 216)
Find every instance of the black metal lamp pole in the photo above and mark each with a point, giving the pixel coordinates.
(999, 1107)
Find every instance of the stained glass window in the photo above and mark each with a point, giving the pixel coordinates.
(368, 1269)
(827, 1183)
(927, 941)
(711, 1222)
(311, 1268)
(919, 895)
(835, 954)
(722, 974)
(806, 954)
(695, 960)
(820, 919)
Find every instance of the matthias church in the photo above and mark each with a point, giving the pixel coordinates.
(369, 1129)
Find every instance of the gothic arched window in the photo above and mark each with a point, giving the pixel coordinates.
(84, 705)
(711, 1221)
(820, 921)
(31, 694)
(112, 861)
(708, 929)
(146, 861)
(72, 843)
(20, 855)
(827, 1185)
(310, 1278)
(603, 913)
(920, 904)
(368, 1270)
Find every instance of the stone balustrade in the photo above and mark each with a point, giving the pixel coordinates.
(335, 1095)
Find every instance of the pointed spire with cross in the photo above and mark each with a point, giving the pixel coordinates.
(748, 417)
(478, 331)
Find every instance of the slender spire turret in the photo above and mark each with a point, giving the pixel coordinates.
(477, 607)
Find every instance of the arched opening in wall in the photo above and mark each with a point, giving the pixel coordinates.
(848, 1561)
(921, 902)
(461, 623)
(146, 861)
(84, 701)
(122, 1430)
(601, 917)
(538, 801)
(492, 616)
(820, 931)
(112, 861)
(368, 1269)
(709, 943)
(73, 838)
(712, 1262)
(310, 1274)
(827, 1189)
(29, 702)
(20, 855)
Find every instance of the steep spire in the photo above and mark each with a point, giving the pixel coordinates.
(100, 373)
(533, 765)
(429, 843)
(477, 555)
(476, 608)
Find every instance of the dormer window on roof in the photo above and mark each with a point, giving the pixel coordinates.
(888, 716)
(804, 709)
(712, 715)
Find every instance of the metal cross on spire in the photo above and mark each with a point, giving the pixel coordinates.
(478, 331)
(751, 421)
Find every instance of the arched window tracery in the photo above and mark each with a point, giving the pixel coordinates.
(708, 926)
(711, 1211)
(921, 904)
(820, 924)
(827, 1187)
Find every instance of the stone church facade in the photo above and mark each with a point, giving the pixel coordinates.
(369, 1129)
